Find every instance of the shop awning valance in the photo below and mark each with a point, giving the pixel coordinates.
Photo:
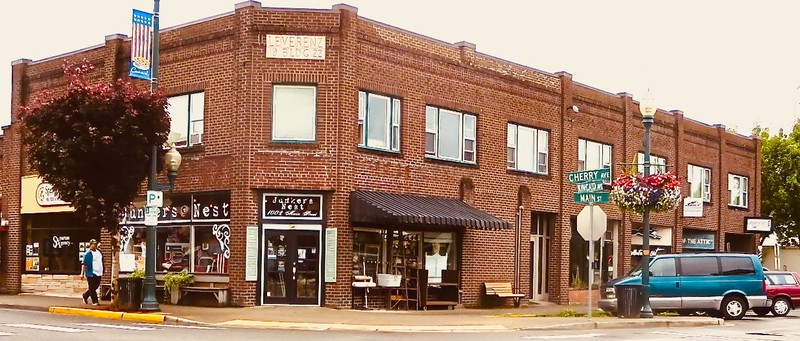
(402, 210)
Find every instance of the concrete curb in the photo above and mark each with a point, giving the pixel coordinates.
(620, 324)
(114, 315)
(23, 307)
(364, 328)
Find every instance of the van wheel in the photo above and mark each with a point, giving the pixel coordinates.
(781, 307)
(761, 311)
(733, 308)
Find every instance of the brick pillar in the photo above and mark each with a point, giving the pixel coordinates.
(680, 169)
(722, 187)
(12, 172)
(558, 279)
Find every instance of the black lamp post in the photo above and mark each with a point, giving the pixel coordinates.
(172, 161)
(648, 109)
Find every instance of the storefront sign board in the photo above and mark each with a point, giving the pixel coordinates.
(693, 207)
(758, 225)
(296, 47)
(292, 206)
(699, 241)
(39, 197)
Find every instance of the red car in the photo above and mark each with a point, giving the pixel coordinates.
(783, 288)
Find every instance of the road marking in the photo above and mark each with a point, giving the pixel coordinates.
(7, 334)
(48, 328)
(553, 337)
(692, 336)
(116, 326)
(180, 326)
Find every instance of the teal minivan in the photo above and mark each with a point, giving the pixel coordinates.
(721, 284)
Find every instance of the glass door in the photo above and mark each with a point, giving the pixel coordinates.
(291, 267)
(540, 252)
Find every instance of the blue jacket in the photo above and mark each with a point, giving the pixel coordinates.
(87, 260)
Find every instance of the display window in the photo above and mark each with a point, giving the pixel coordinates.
(54, 243)
(435, 251)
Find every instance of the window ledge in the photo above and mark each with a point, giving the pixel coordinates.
(294, 144)
(524, 172)
(387, 152)
(450, 161)
(198, 148)
(738, 208)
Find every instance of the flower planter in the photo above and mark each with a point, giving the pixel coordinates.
(653, 193)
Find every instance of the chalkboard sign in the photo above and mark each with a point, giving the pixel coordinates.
(292, 206)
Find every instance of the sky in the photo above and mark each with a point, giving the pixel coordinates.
(735, 63)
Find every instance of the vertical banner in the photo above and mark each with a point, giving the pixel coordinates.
(141, 35)
(251, 254)
(331, 235)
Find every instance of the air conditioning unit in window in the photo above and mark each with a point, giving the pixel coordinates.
(195, 139)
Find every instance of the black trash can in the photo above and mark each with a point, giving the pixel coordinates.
(628, 300)
(130, 293)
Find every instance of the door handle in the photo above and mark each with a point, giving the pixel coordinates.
(677, 284)
(294, 271)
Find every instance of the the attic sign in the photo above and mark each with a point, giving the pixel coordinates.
(296, 47)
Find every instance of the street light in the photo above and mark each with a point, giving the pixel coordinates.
(172, 160)
(647, 107)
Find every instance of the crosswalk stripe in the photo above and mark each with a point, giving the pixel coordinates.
(116, 326)
(6, 334)
(181, 326)
(48, 328)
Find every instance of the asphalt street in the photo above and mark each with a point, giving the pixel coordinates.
(29, 325)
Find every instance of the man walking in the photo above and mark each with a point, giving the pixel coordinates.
(92, 269)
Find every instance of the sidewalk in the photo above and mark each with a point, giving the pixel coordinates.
(320, 318)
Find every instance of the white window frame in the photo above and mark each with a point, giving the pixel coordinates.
(699, 176)
(539, 148)
(738, 191)
(191, 133)
(466, 134)
(280, 118)
(587, 161)
(658, 164)
(391, 142)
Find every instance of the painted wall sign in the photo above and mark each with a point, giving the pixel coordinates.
(296, 47)
(292, 206)
(698, 240)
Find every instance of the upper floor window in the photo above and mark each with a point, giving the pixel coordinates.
(527, 149)
(593, 155)
(186, 115)
(737, 187)
(699, 182)
(658, 165)
(450, 135)
(378, 121)
(294, 113)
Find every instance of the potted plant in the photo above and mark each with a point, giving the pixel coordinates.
(654, 193)
(173, 281)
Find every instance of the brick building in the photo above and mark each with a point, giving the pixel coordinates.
(319, 145)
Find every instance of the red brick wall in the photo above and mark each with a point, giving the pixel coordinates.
(224, 57)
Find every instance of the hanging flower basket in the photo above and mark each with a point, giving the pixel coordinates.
(654, 193)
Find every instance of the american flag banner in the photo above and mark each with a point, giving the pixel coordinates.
(140, 44)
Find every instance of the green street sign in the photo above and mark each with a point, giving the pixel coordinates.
(590, 198)
(590, 175)
(590, 187)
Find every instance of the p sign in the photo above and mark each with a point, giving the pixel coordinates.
(155, 199)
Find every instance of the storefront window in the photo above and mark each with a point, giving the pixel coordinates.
(193, 234)
(367, 252)
(55, 243)
(440, 254)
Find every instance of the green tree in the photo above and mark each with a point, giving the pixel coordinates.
(93, 143)
(780, 180)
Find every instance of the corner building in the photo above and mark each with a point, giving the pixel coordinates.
(319, 146)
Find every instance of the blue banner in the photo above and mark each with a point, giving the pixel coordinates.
(141, 53)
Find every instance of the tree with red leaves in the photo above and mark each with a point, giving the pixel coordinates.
(93, 143)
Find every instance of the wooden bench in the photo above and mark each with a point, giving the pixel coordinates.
(503, 290)
(221, 294)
